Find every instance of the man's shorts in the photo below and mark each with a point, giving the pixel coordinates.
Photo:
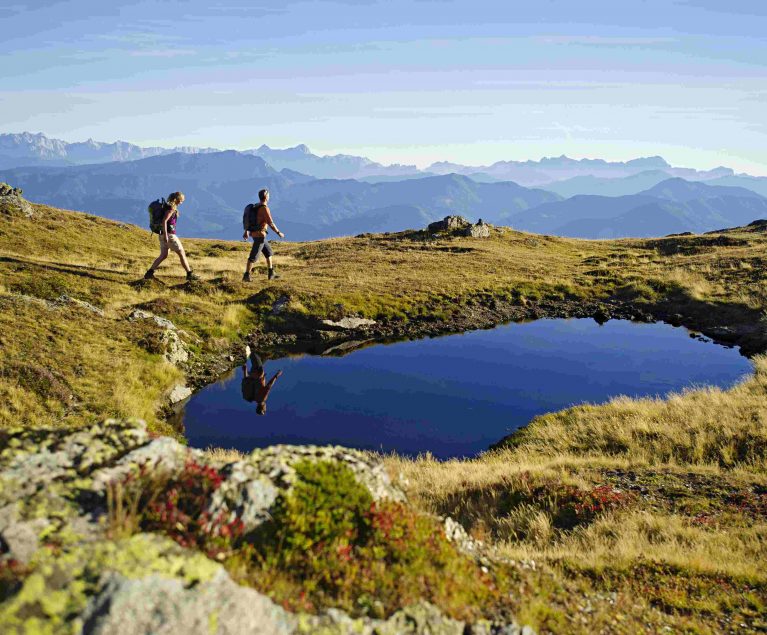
(174, 244)
(260, 245)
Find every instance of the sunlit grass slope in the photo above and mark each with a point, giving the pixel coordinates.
(631, 516)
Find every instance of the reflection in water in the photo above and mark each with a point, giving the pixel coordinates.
(451, 396)
(254, 387)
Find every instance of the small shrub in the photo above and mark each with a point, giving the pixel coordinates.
(173, 505)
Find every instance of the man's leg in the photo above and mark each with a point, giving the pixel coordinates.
(255, 250)
(268, 253)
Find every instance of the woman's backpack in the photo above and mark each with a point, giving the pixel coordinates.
(157, 211)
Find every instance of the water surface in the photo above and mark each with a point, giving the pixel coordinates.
(456, 395)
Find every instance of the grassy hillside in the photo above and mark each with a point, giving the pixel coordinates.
(632, 516)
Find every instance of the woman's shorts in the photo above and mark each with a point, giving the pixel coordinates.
(260, 245)
(174, 244)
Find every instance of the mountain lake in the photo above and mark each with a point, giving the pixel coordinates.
(455, 395)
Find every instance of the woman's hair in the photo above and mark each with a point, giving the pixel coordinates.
(176, 198)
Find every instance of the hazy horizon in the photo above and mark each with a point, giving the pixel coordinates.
(398, 81)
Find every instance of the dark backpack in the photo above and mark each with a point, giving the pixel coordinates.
(157, 211)
(250, 217)
(249, 389)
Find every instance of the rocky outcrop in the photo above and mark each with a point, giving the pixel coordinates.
(166, 340)
(54, 491)
(479, 230)
(13, 202)
(449, 223)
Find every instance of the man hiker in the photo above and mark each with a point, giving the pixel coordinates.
(255, 220)
(166, 228)
(254, 384)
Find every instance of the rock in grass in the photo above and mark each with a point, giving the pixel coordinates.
(159, 605)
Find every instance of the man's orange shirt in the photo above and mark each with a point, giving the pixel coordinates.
(263, 220)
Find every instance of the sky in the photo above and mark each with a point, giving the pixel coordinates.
(399, 81)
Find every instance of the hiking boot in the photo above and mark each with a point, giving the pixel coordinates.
(273, 275)
(191, 275)
(149, 275)
(246, 277)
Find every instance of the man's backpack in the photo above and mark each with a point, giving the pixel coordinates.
(157, 211)
(250, 217)
(249, 389)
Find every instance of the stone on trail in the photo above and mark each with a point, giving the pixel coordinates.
(350, 323)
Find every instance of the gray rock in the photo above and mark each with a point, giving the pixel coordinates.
(179, 393)
(478, 230)
(280, 305)
(156, 605)
(420, 618)
(449, 223)
(65, 299)
(245, 494)
(350, 323)
(140, 314)
(163, 454)
(20, 537)
(175, 350)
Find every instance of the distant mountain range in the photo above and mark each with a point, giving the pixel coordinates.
(218, 185)
(27, 149)
(638, 198)
(671, 206)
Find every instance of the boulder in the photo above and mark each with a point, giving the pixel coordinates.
(251, 486)
(449, 223)
(350, 323)
(157, 605)
(175, 350)
(140, 314)
(479, 230)
(179, 393)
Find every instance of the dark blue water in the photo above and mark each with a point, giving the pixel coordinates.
(456, 395)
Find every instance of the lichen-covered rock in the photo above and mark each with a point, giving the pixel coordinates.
(420, 618)
(31, 459)
(81, 578)
(55, 597)
(175, 350)
(163, 454)
(157, 605)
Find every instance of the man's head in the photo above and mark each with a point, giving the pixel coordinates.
(263, 195)
(261, 408)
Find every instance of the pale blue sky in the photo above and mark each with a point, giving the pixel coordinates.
(399, 81)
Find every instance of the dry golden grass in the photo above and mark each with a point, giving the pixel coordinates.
(63, 365)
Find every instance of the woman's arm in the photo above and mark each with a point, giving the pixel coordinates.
(165, 220)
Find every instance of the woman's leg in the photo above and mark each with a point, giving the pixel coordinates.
(163, 254)
(175, 244)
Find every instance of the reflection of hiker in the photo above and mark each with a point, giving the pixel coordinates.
(255, 220)
(163, 216)
(254, 384)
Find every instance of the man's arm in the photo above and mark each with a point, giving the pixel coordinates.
(271, 224)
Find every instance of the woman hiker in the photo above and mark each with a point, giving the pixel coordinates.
(168, 239)
(255, 220)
